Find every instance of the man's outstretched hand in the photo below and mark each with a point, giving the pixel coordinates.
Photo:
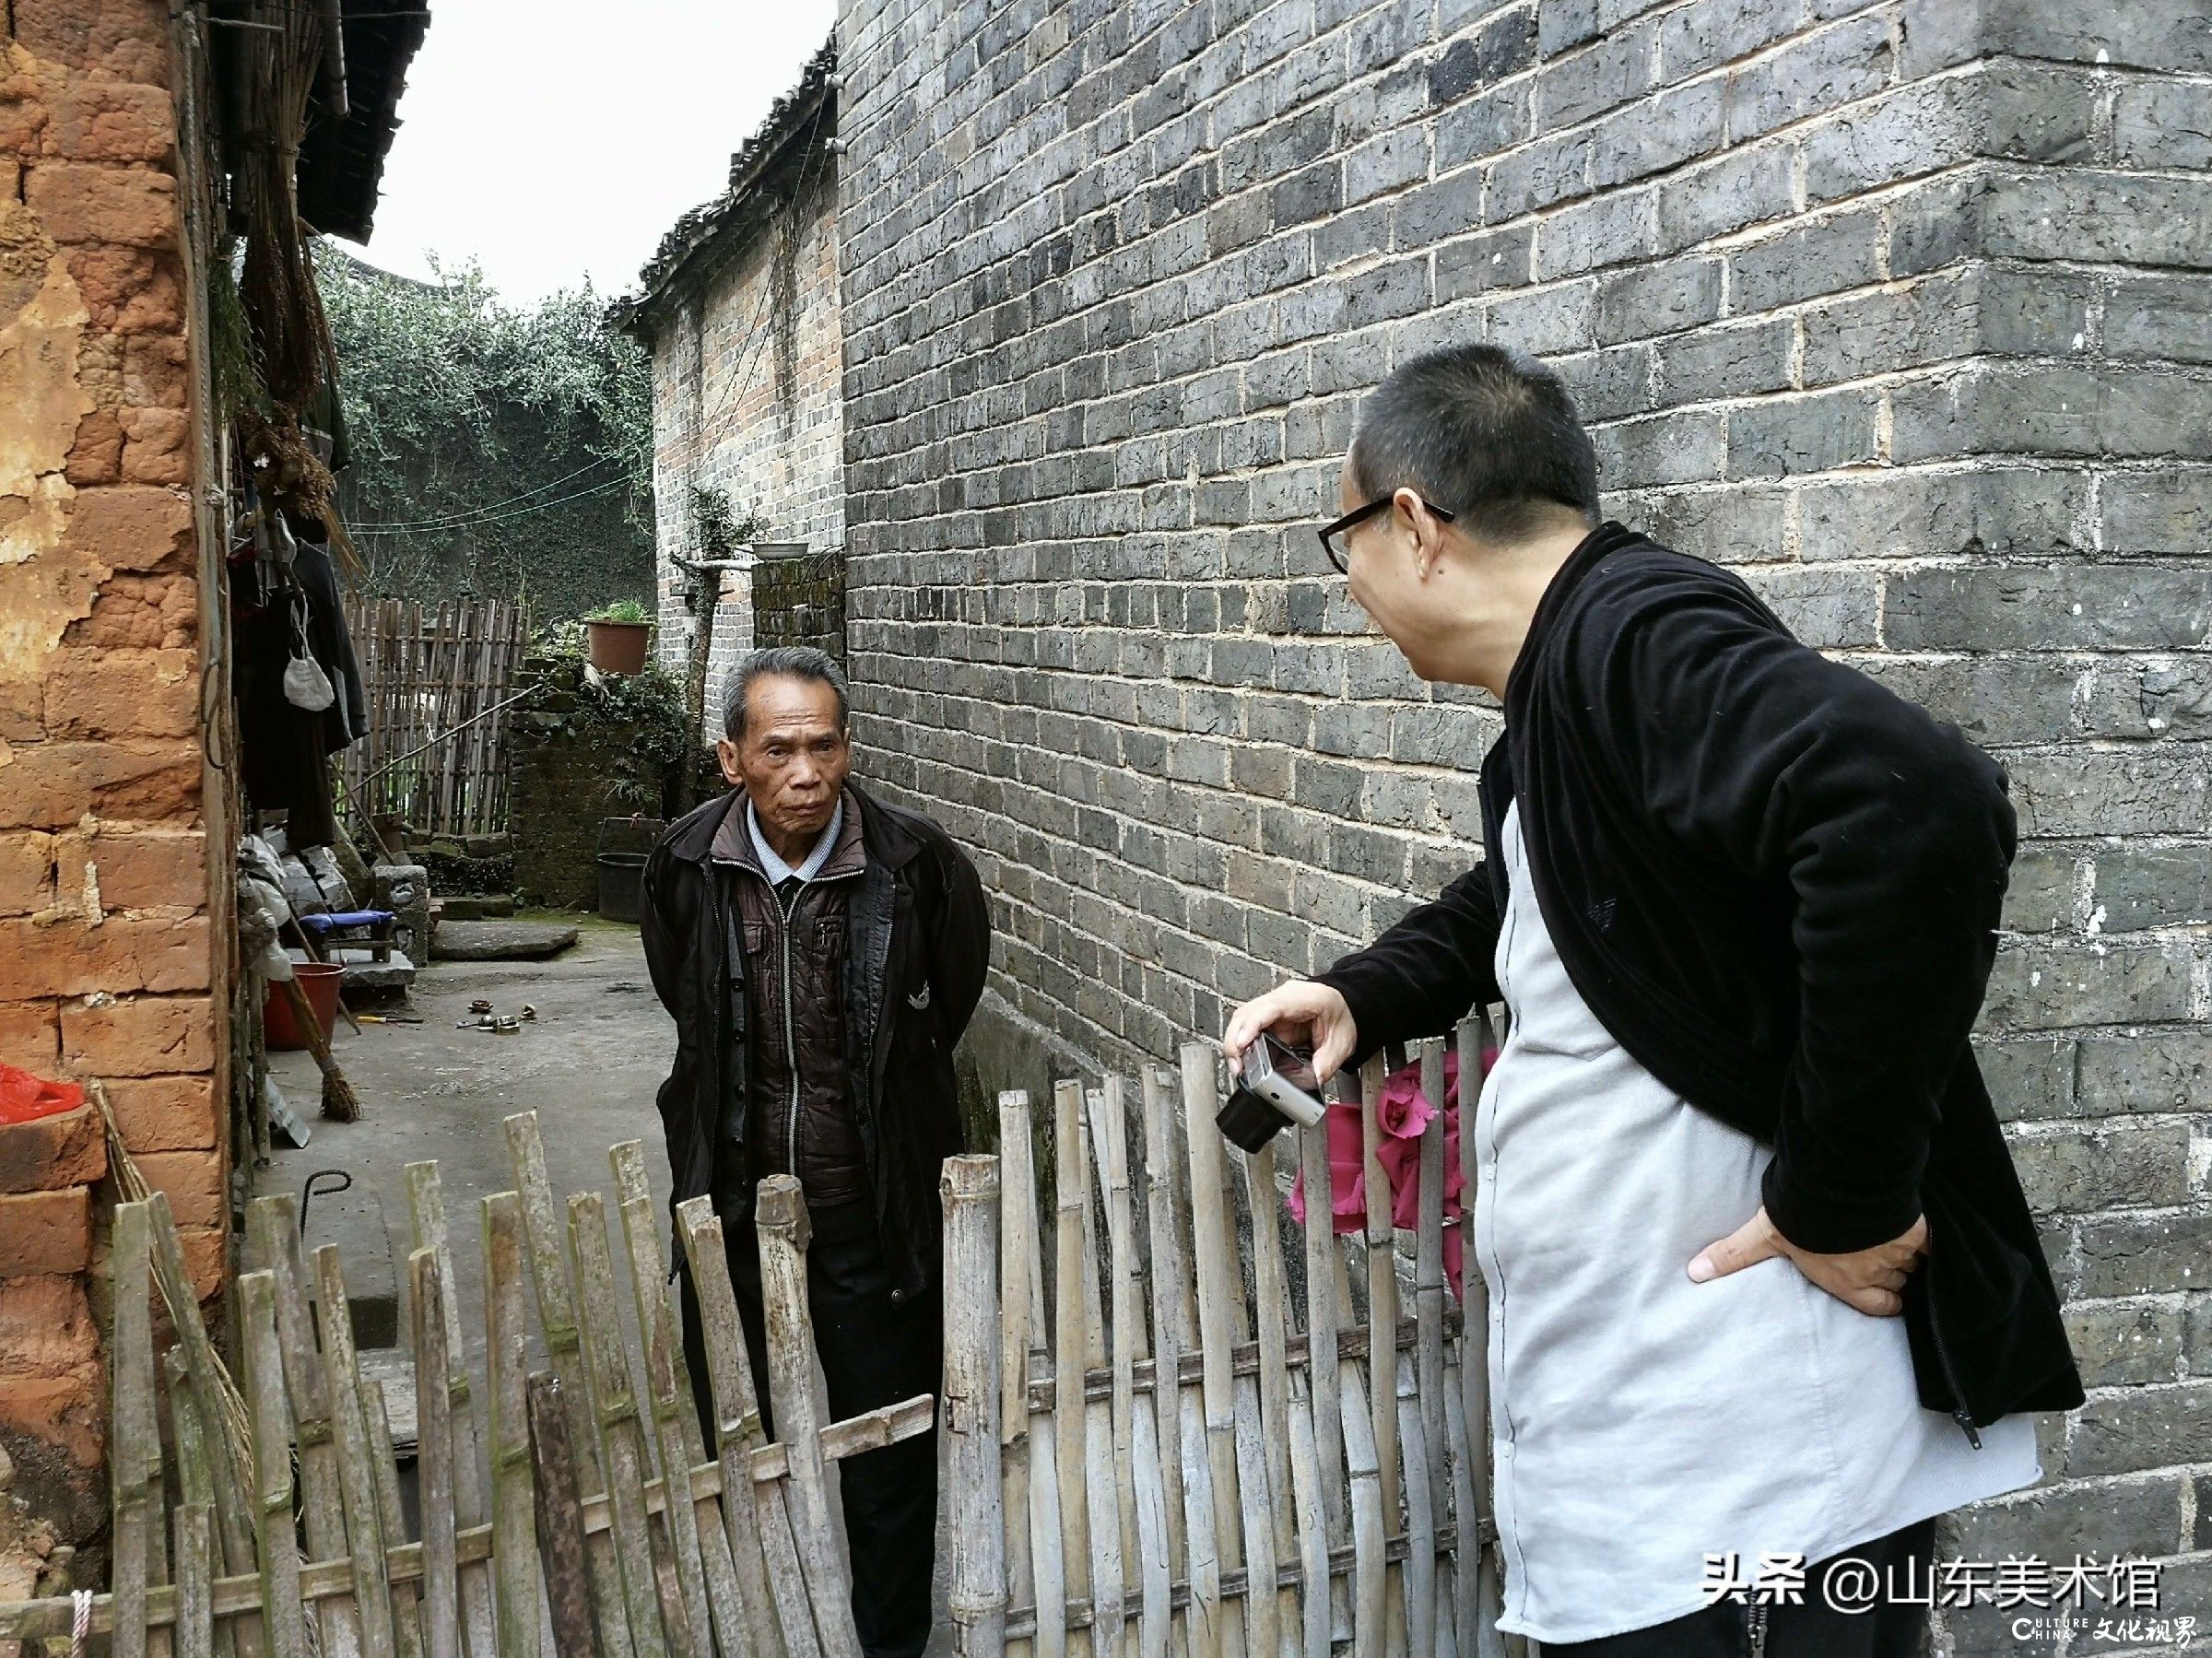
(1870, 1279)
(1295, 1012)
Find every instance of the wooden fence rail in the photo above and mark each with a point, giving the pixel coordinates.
(1215, 1434)
(426, 671)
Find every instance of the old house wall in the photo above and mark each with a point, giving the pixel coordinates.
(108, 961)
(1899, 308)
(747, 398)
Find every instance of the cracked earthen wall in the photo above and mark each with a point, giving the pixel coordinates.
(107, 962)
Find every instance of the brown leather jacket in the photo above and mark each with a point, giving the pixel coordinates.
(799, 1094)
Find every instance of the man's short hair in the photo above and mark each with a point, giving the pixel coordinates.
(798, 662)
(1487, 432)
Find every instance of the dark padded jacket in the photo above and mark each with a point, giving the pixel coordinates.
(1777, 884)
(917, 946)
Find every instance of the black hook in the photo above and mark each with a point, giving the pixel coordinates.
(309, 1191)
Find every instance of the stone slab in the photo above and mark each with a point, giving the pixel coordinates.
(499, 940)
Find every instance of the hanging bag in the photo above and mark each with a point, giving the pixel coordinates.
(305, 684)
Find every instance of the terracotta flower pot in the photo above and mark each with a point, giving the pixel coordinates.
(619, 647)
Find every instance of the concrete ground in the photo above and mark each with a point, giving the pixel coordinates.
(589, 1065)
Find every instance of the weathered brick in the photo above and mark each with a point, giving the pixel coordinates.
(69, 958)
(2140, 887)
(2075, 793)
(2140, 1517)
(93, 693)
(2118, 1343)
(2145, 1071)
(2140, 1428)
(2040, 895)
(2115, 216)
(193, 1180)
(2162, 123)
(2047, 607)
(1820, 71)
(2128, 697)
(165, 1113)
(1820, 258)
(45, 1232)
(31, 1036)
(1730, 361)
(2044, 984)
(2166, 35)
(1896, 514)
(1658, 298)
(2029, 1078)
(79, 201)
(47, 1153)
(2145, 1255)
(1779, 436)
(2168, 511)
(1737, 189)
(141, 1036)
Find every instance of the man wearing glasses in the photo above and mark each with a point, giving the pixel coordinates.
(1762, 1280)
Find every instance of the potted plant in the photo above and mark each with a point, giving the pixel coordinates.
(618, 636)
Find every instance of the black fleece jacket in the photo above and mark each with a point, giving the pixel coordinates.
(1777, 884)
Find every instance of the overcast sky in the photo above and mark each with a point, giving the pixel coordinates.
(559, 139)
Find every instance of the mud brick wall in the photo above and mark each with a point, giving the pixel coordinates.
(107, 961)
(1899, 308)
(746, 397)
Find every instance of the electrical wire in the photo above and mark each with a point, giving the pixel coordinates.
(447, 520)
(476, 524)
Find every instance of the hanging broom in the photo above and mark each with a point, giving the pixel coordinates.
(340, 1104)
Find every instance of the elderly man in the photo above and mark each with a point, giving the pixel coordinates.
(820, 952)
(1740, 902)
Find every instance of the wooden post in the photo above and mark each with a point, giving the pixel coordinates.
(760, 1543)
(192, 1631)
(513, 1503)
(471, 1476)
(1106, 1461)
(1185, 1478)
(1214, 1259)
(1070, 1345)
(434, 1458)
(1017, 1270)
(272, 1226)
(975, 1512)
(560, 1521)
(283, 1611)
(556, 1317)
(357, 1470)
(136, 1440)
(407, 1598)
(780, 1217)
(622, 1446)
(1025, 1354)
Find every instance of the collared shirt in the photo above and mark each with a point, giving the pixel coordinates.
(774, 868)
(1641, 1422)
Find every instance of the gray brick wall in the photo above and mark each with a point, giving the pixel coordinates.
(1900, 309)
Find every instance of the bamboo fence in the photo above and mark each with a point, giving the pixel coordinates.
(426, 671)
(1185, 1428)
(1223, 1435)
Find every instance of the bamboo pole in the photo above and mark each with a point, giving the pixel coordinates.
(366, 1540)
(1167, 1286)
(977, 1599)
(1323, 1316)
(1382, 1314)
(1285, 1418)
(192, 1631)
(471, 1471)
(1429, 1590)
(1144, 1488)
(1041, 1512)
(1017, 1265)
(1070, 1343)
(273, 1228)
(558, 1520)
(135, 1448)
(556, 1318)
(434, 1458)
(780, 1220)
(622, 1448)
(1214, 1259)
(513, 1501)
(761, 1542)
(195, 1479)
(283, 1611)
(406, 1597)
(1105, 1458)
(1481, 1592)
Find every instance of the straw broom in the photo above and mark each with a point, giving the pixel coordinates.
(340, 1104)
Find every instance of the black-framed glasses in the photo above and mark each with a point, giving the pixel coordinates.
(1336, 539)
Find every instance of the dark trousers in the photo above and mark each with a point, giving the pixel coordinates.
(874, 1353)
(1813, 1628)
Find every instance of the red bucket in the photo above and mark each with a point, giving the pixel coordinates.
(319, 980)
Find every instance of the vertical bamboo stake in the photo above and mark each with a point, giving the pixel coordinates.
(1284, 1418)
(1109, 1615)
(1214, 1259)
(406, 1600)
(356, 1471)
(760, 1545)
(977, 1520)
(708, 1576)
(1382, 1326)
(273, 1226)
(556, 1317)
(780, 1219)
(471, 1471)
(1481, 1594)
(1135, 1432)
(196, 1486)
(434, 1459)
(283, 1614)
(621, 1443)
(1039, 1511)
(194, 1631)
(136, 1440)
(1070, 1345)
(513, 1505)
(1187, 1485)
(1324, 1382)
(1429, 1583)
(558, 1520)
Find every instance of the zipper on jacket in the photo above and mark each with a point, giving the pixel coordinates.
(791, 1050)
(1755, 1618)
(1960, 1414)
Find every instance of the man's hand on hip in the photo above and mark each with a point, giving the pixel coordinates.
(1870, 1279)
(1296, 1012)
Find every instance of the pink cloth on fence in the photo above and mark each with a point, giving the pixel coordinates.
(1403, 1113)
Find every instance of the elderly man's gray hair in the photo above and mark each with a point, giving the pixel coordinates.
(797, 662)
